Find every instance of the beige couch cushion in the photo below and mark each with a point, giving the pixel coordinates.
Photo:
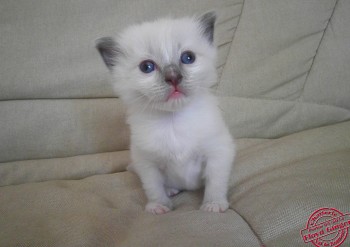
(39, 129)
(275, 186)
(288, 67)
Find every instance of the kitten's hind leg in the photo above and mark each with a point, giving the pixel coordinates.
(172, 192)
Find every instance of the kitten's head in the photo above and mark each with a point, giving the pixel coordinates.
(162, 64)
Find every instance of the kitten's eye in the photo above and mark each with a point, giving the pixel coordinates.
(188, 57)
(147, 66)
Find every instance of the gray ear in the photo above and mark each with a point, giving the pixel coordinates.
(207, 22)
(109, 51)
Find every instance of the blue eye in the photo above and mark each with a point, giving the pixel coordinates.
(187, 57)
(147, 66)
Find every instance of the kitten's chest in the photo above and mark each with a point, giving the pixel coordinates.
(169, 139)
(175, 141)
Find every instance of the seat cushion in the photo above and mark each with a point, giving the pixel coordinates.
(278, 184)
(275, 186)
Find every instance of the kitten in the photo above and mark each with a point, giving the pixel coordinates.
(163, 71)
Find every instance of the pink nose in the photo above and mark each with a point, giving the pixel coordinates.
(172, 75)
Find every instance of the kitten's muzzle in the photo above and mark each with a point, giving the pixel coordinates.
(172, 75)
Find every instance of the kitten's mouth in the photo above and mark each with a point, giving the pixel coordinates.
(175, 94)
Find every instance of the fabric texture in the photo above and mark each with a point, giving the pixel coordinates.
(275, 186)
(284, 91)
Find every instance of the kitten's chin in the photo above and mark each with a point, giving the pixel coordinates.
(175, 102)
(172, 102)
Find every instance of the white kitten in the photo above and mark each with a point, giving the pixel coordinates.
(163, 71)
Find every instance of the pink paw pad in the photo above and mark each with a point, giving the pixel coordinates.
(172, 192)
(156, 208)
(216, 207)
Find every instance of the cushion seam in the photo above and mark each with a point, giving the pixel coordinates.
(282, 100)
(250, 227)
(317, 51)
(229, 50)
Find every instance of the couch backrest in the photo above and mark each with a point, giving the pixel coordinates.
(288, 67)
(283, 65)
(56, 98)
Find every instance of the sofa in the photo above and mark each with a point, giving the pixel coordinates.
(284, 91)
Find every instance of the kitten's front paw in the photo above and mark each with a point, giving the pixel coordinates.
(156, 208)
(217, 207)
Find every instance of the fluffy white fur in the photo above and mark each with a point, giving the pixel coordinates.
(177, 143)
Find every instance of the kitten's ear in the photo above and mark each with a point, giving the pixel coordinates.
(109, 51)
(207, 22)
